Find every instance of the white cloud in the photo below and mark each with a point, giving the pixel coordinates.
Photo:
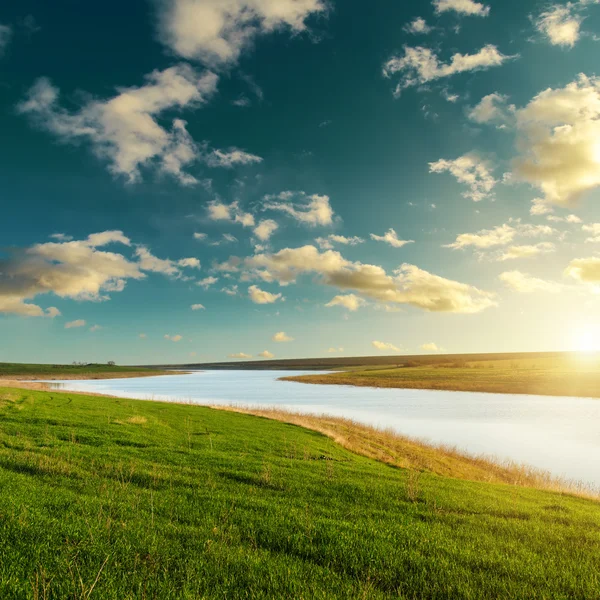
(149, 262)
(6, 33)
(558, 133)
(266, 354)
(124, 130)
(259, 296)
(431, 347)
(560, 24)
(493, 108)
(191, 263)
(239, 355)
(527, 251)
(470, 170)
(486, 238)
(332, 350)
(385, 346)
(174, 338)
(207, 282)
(94, 328)
(391, 237)
(585, 270)
(200, 236)
(526, 284)
(352, 302)
(230, 291)
(594, 229)
(465, 7)
(573, 219)
(265, 229)
(408, 285)
(216, 32)
(218, 211)
(327, 243)
(421, 65)
(282, 336)
(74, 324)
(315, 209)
(229, 158)
(540, 207)
(418, 26)
(198, 307)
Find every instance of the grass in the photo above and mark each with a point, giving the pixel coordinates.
(121, 499)
(572, 375)
(90, 371)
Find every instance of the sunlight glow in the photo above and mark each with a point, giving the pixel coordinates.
(587, 339)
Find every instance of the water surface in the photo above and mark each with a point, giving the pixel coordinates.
(561, 435)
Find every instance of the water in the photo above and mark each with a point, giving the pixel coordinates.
(560, 435)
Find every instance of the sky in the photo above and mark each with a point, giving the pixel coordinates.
(207, 180)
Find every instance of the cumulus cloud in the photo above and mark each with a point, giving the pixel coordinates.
(312, 210)
(584, 270)
(216, 32)
(385, 346)
(190, 263)
(207, 282)
(560, 24)
(464, 7)
(594, 230)
(124, 130)
(558, 133)
(282, 336)
(527, 251)
(573, 219)
(352, 302)
(173, 338)
(419, 65)
(239, 355)
(75, 324)
(265, 229)
(230, 158)
(418, 26)
(391, 237)
(327, 243)
(493, 108)
(470, 170)
(408, 284)
(200, 236)
(219, 211)
(198, 307)
(486, 238)
(259, 296)
(431, 347)
(266, 354)
(526, 284)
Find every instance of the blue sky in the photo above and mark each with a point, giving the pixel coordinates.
(192, 180)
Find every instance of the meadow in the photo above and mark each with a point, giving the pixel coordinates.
(73, 371)
(120, 499)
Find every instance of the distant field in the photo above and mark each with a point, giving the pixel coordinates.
(92, 371)
(121, 499)
(554, 375)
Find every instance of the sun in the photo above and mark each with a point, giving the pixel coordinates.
(587, 339)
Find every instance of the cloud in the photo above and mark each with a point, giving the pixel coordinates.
(470, 170)
(124, 130)
(332, 350)
(239, 355)
(527, 251)
(6, 34)
(230, 158)
(560, 24)
(584, 270)
(266, 354)
(216, 32)
(149, 262)
(568, 219)
(431, 347)
(174, 338)
(74, 324)
(191, 263)
(486, 238)
(94, 328)
(230, 291)
(526, 284)
(420, 65)
(408, 284)
(350, 301)
(391, 237)
(259, 296)
(265, 229)
(493, 108)
(315, 211)
(198, 307)
(200, 236)
(418, 26)
(558, 133)
(464, 7)
(282, 336)
(218, 211)
(207, 282)
(385, 346)
(594, 229)
(143, 336)
(327, 243)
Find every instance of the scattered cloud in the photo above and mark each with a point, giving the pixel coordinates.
(594, 230)
(584, 270)
(527, 251)
(391, 237)
(198, 307)
(573, 219)
(385, 346)
(486, 238)
(464, 7)
(231, 290)
(190, 263)
(352, 302)
(74, 324)
(333, 349)
(265, 229)
(217, 32)
(470, 170)
(230, 158)
(200, 236)
(218, 211)
(327, 243)
(207, 282)
(431, 347)
(259, 296)
(125, 130)
(493, 108)
(526, 284)
(314, 210)
(420, 65)
(239, 355)
(6, 34)
(282, 336)
(266, 354)
(418, 26)
(560, 24)
(174, 338)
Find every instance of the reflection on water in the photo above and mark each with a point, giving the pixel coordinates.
(561, 435)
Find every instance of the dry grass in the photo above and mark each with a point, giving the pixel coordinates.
(137, 420)
(397, 450)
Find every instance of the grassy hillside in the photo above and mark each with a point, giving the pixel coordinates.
(91, 371)
(571, 375)
(121, 499)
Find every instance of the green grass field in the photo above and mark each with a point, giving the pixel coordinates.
(35, 371)
(119, 499)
